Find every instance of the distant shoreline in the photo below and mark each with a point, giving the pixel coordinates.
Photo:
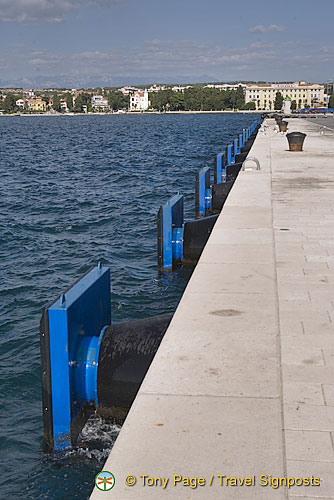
(134, 113)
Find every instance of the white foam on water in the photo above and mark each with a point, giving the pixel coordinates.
(96, 439)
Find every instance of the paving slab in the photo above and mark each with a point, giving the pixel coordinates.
(303, 392)
(309, 445)
(307, 417)
(303, 341)
(229, 253)
(233, 278)
(230, 312)
(307, 469)
(243, 364)
(181, 427)
(308, 373)
(328, 390)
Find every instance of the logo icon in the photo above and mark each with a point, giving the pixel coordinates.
(104, 480)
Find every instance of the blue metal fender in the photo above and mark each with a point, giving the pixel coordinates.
(71, 330)
(170, 232)
(236, 149)
(241, 142)
(203, 192)
(220, 169)
(229, 155)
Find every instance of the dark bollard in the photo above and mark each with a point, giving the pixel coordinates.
(296, 141)
(283, 126)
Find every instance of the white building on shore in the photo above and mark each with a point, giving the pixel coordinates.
(22, 103)
(156, 88)
(226, 86)
(181, 88)
(139, 101)
(100, 103)
(128, 90)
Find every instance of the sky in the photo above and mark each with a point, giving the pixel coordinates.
(77, 43)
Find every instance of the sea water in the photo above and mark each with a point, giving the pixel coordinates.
(76, 190)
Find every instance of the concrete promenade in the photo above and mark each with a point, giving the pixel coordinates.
(243, 382)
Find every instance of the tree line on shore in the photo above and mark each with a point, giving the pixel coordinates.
(199, 99)
(192, 99)
(55, 101)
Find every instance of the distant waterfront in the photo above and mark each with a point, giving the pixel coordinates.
(229, 112)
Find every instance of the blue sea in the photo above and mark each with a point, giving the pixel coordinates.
(76, 190)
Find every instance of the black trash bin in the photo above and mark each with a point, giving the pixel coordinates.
(296, 141)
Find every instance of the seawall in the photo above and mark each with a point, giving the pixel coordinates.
(243, 382)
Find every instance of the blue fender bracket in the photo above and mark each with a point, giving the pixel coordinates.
(220, 169)
(229, 155)
(170, 232)
(70, 335)
(236, 149)
(241, 142)
(203, 192)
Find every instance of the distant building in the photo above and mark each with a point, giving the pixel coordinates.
(63, 105)
(176, 88)
(36, 104)
(28, 93)
(305, 94)
(156, 88)
(139, 101)
(128, 90)
(100, 103)
(180, 88)
(226, 86)
(22, 103)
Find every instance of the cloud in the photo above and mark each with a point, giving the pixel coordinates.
(327, 50)
(104, 3)
(51, 11)
(266, 29)
(270, 45)
(159, 57)
(155, 60)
